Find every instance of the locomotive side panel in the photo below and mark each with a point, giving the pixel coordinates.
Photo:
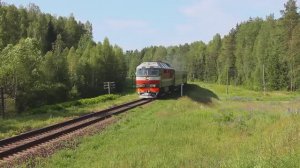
(167, 78)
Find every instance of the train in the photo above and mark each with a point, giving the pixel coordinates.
(157, 78)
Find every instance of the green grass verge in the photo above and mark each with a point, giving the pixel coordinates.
(50, 114)
(205, 128)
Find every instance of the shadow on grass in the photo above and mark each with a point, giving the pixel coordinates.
(194, 92)
(199, 94)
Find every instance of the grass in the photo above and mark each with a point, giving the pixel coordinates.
(205, 128)
(35, 118)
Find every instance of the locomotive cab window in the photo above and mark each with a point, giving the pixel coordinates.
(147, 72)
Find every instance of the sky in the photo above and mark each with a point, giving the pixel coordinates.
(135, 24)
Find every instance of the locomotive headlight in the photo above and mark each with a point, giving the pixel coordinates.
(153, 85)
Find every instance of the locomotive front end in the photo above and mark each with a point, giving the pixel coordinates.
(148, 80)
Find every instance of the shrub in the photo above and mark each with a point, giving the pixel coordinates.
(41, 95)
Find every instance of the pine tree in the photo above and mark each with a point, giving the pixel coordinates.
(50, 37)
(276, 65)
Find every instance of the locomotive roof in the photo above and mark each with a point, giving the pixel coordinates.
(157, 64)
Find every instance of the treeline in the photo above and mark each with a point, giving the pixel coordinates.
(257, 53)
(18, 23)
(46, 59)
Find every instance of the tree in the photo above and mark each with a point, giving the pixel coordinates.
(72, 60)
(88, 28)
(227, 57)
(121, 69)
(261, 53)
(245, 60)
(196, 60)
(10, 32)
(290, 18)
(148, 53)
(24, 22)
(20, 71)
(295, 55)
(50, 37)
(108, 60)
(55, 69)
(213, 51)
(277, 68)
(72, 31)
(160, 54)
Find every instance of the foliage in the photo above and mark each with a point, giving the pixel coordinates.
(47, 59)
(256, 53)
(56, 56)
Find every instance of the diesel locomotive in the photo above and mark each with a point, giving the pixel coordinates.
(155, 78)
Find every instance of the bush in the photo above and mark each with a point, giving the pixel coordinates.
(41, 95)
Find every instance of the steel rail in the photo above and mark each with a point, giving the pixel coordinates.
(52, 132)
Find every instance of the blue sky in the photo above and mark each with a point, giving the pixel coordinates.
(135, 24)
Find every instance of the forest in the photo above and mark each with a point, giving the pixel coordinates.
(46, 59)
(256, 53)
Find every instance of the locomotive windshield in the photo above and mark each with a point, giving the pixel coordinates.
(147, 72)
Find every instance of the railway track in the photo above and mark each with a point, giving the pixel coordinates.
(22, 142)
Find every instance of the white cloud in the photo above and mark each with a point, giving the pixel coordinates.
(199, 8)
(204, 19)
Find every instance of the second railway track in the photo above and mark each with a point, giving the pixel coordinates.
(13, 145)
